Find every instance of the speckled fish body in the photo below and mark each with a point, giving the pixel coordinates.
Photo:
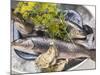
(66, 49)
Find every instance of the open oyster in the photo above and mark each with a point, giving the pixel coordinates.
(46, 59)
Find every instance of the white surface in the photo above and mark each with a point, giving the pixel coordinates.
(5, 38)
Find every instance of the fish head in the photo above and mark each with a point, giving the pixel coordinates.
(23, 44)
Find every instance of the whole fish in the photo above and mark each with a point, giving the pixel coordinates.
(41, 45)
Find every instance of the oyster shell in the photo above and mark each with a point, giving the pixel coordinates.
(44, 60)
(58, 66)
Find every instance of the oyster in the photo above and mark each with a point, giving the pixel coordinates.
(58, 66)
(47, 58)
(48, 61)
(21, 25)
(76, 34)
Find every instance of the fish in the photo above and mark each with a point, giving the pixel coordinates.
(66, 49)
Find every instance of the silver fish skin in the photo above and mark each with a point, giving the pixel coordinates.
(66, 49)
